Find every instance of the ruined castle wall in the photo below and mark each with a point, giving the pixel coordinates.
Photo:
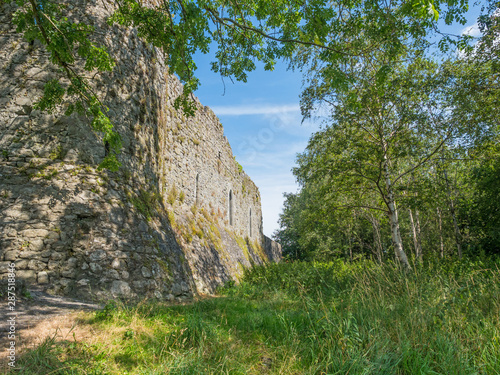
(174, 220)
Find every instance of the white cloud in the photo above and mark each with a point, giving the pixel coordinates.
(276, 157)
(254, 109)
(472, 30)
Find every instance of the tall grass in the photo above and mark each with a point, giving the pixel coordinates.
(303, 318)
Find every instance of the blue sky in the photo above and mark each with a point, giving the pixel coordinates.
(262, 121)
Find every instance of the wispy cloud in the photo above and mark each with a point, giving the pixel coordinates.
(279, 158)
(472, 30)
(255, 109)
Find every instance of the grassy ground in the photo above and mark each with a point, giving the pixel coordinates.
(301, 318)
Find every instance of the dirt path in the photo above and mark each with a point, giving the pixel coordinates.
(40, 317)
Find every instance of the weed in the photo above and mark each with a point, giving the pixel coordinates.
(56, 153)
(47, 174)
(171, 219)
(172, 195)
(238, 165)
(127, 175)
(146, 202)
(194, 209)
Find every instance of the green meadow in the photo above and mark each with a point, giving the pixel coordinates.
(300, 318)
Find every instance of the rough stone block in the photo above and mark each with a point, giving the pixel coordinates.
(53, 265)
(11, 255)
(27, 275)
(36, 245)
(16, 213)
(10, 232)
(176, 289)
(98, 255)
(26, 153)
(4, 266)
(120, 289)
(69, 273)
(43, 277)
(36, 265)
(53, 235)
(72, 262)
(112, 274)
(25, 254)
(94, 267)
(71, 156)
(83, 282)
(45, 254)
(34, 233)
(146, 272)
(21, 264)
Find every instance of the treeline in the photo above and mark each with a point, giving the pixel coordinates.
(408, 163)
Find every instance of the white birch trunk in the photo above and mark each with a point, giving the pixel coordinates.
(419, 237)
(415, 228)
(393, 218)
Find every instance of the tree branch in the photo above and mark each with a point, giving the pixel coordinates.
(224, 20)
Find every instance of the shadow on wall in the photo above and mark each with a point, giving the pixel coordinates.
(94, 234)
(66, 226)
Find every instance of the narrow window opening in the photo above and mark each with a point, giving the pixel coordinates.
(196, 189)
(250, 223)
(230, 207)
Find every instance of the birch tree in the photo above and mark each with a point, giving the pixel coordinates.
(382, 129)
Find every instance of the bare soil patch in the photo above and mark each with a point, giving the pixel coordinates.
(43, 316)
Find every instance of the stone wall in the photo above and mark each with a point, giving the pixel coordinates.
(180, 217)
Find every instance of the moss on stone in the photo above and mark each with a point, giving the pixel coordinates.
(146, 202)
(56, 153)
(165, 267)
(172, 195)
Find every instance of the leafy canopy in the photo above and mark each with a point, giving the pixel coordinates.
(243, 32)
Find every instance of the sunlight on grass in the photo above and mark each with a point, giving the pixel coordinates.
(301, 318)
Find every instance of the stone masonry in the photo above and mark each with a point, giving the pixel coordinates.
(180, 217)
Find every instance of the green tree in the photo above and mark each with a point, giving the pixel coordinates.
(383, 129)
(484, 208)
(242, 31)
(474, 100)
(312, 226)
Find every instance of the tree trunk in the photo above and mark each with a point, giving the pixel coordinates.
(441, 243)
(393, 218)
(415, 227)
(419, 236)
